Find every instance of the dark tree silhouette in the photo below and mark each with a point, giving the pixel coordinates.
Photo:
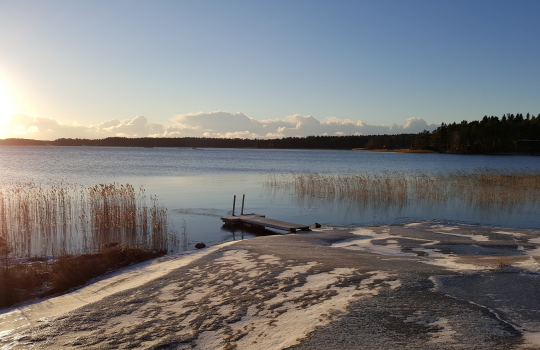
(510, 134)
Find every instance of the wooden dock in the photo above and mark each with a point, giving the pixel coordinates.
(257, 220)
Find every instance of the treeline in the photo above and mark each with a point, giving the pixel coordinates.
(310, 142)
(510, 134)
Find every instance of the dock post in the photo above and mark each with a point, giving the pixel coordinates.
(233, 205)
(243, 197)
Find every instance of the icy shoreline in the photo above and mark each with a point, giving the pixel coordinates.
(31, 313)
(308, 290)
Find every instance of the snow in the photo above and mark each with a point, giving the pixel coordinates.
(131, 277)
(478, 238)
(516, 234)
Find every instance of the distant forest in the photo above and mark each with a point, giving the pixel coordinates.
(310, 142)
(510, 134)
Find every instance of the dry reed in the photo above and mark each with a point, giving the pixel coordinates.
(88, 231)
(503, 262)
(484, 186)
(65, 219)
(31, 279)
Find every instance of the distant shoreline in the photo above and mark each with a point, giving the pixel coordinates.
(199, 147)
(397, 150)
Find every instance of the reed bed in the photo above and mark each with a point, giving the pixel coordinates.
(53, 238)
(40, 277)
(484, 186)
(62, 219)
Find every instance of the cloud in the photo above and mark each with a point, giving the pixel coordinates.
(221, 123)
(26, 126)
(213, 124)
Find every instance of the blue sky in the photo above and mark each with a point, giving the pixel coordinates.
(378, 62)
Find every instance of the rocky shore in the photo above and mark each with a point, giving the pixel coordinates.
(424, 285)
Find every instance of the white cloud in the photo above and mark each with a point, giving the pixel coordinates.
(214, 124)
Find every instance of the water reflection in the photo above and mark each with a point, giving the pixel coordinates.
(351, 212)
(240, 232)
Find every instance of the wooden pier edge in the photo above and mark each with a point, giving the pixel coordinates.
(258, 220)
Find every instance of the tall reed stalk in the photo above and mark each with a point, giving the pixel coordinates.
(38, 220)
(485, 186)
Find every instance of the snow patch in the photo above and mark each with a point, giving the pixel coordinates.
(533, 252)
(296, 270)
(363, 232)
(452, 263)
(121, 280)
(367, 245)
(445, 228)
(531, 338)
(516, 234)
(478, 238)
(286, 326)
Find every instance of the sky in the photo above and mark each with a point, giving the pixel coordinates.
(275, 68)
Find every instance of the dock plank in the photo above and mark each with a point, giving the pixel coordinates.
(261, 220)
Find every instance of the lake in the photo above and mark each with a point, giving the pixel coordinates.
(198, 185)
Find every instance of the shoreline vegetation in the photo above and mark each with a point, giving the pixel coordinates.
(483, 186)
(42, 277)
(57, 237)
(511, 134)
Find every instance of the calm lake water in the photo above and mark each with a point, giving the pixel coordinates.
(198, 185)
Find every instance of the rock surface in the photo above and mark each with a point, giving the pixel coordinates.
(429, 286)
